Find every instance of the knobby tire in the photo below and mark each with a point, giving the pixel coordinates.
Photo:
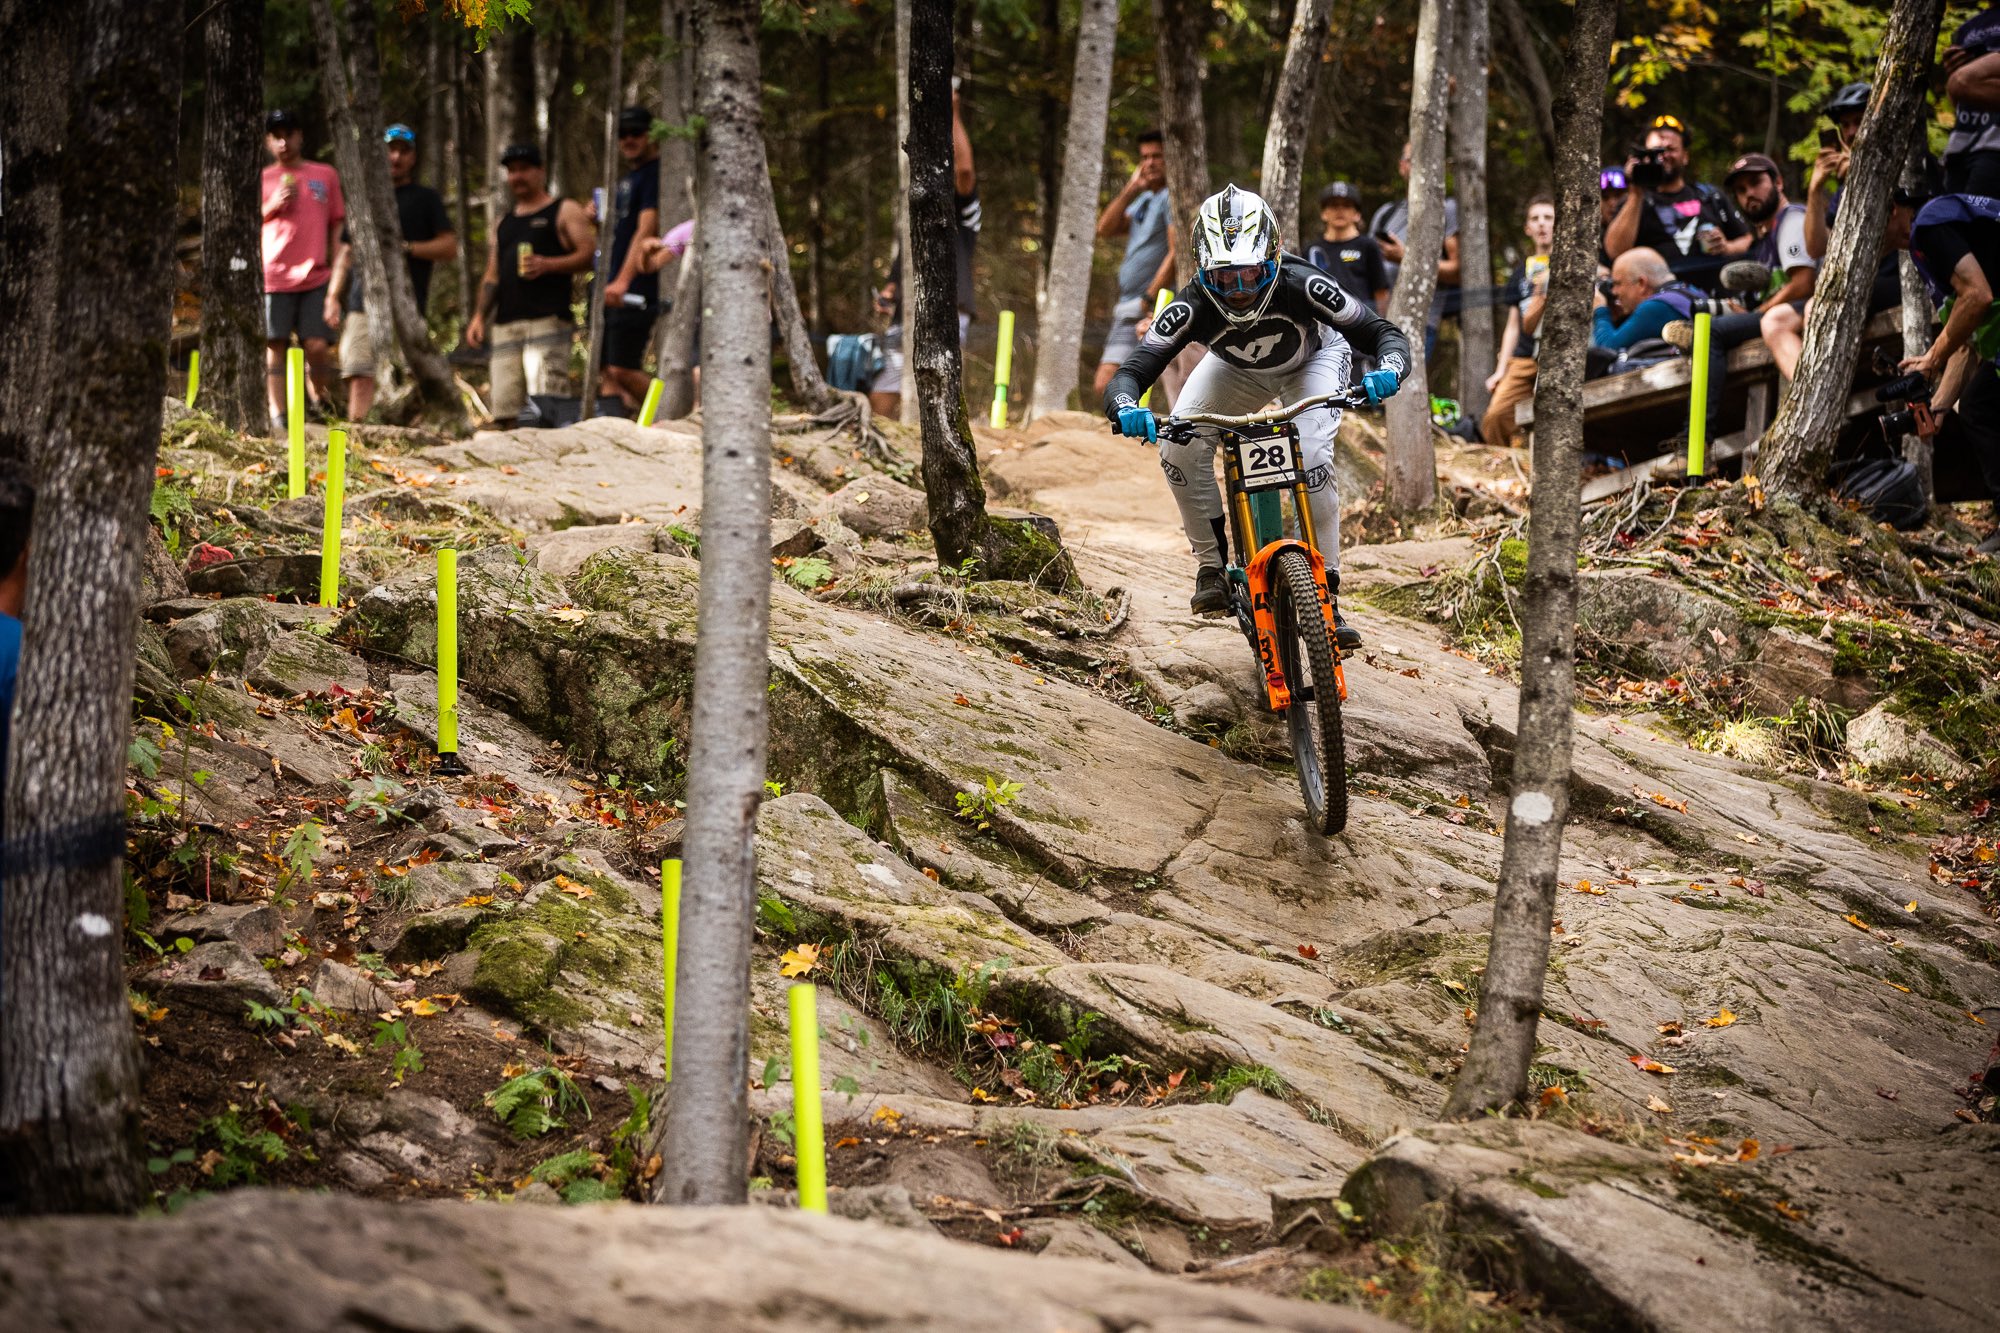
(1306, 653)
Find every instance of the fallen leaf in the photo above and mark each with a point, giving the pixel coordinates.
(930, 873)
(1746, 1151)
(888, 1116)
(574, 889)
(961, 700)
(571, 615)
(1308, 951)
(476, 900)
(1585, 886)
(339, 1042)
(1652, 1066)
(1855, 921)
(1910, 906)
(1722, 1019)
(1888, 1094)
(799, 960)
(1788, 1212)
(849, 1142)
(1553, 1094)
(1658, 1107)
(1669, 1029)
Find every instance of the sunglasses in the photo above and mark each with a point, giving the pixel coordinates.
(1240, 278)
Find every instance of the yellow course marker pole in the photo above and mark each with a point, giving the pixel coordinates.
(329, 534)
(1698, 400)
(295, 418)
(670, 948)
(809, 1132)
(652, 403)
(1160, 302)
(447, 655)
(1003, 371)
(194, 374)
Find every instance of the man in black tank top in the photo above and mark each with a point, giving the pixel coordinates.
(524, 297)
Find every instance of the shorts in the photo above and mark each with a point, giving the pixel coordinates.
(303, 313)
(357, 348)
(890, 378)
(1123, 340)
(628, 333)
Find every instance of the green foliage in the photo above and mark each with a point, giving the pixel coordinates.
(981, 803)
(775, 915)
(536, 1101)
(1224, 1086)
(297, 1009)
(408, 1058)
(172, 506)
(143, 755)
(303, 847)
(245, 1152)
(808, 572)
(374, 796)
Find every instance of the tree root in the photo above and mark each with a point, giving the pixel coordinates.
(850, 412)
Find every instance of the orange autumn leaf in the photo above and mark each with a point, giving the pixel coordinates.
(1855, 921)
(1308, 951)
(1652, 1066)
(1747, 1151)
(798, 960)
(1585, 886)
(1722, 1019)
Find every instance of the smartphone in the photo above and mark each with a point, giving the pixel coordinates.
(1385, 236)
(1830, 138)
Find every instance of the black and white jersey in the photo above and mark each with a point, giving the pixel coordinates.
(1305, 309)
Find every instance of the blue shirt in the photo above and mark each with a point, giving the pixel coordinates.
(1145, 243)
(1652, 316)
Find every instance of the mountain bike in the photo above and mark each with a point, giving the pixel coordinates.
(1277, 589)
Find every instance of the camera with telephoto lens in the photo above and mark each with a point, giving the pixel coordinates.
(1906, 400)
(1648, 170)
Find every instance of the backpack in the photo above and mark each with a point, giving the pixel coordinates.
(853, 360)
(1889, 489)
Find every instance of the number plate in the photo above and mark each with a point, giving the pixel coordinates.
(1267, 463)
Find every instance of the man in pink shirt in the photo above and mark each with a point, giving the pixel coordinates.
(303, 210)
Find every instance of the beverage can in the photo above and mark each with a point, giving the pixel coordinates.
(521, 253)
(597, 201)
(289, 179)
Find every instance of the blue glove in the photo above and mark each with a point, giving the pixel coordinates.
(1137, 421)
(1380, 384)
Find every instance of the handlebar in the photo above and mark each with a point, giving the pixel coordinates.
(1179, 426)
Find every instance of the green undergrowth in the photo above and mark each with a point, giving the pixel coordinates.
(1443, 1279)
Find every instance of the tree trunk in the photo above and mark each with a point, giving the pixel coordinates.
(1495, 1072)
(1412, 459)
(461, 124)
(551, 47)
(706, 1136)
(1292, 115)
(961, 529)
(437, 47)
(1059, 344)
(1468, 158)
(352, 91)
(33, 113)
(906, 291)
(1182, 29)
(817, 149)
(677, 334)
(1776, 100)
(594, 353)
(808, 385)
(69, 1067)
(1917, 316)
(1795, 454)
(676, 88)
(1529, 61)
(1048, 109)
(232, 256)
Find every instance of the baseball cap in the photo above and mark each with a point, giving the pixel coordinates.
(1612, 178)
(1340, 191)
(521, 152)
(1749, 163)
(400, 133)
(635, 120)
(280, 119)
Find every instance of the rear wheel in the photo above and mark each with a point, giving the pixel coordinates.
(1305, 652)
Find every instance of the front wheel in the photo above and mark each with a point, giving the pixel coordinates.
(1306, 654)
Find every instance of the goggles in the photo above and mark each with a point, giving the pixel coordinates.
(1671, 123)
(1246, 279)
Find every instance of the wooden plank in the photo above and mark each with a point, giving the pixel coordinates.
(1638, 390)
(1666, 465)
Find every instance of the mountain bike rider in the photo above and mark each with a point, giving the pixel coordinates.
(1275, 327)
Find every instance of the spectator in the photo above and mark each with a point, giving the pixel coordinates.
(885, 395)
(1645, 297)
(1775, 280)
(632, 297)
(427, 239)
(17, 514)
(1955, 241)
(1389, 227)
(1514, 380)
(1972, 63)
(525, 293)
(656, 252)
(1691, 223)
(303, 210)
(1143, 215)
(1611, 190)
(1344, 254)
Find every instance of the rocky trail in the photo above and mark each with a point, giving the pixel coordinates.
(1090, 988)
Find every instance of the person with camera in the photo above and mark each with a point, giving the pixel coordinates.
(1955, 241)
(1778, 277)
(1635, 305)
(1689, 223)
(1972, 68)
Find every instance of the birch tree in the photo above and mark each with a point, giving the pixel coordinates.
(1068, 285)
(601, 272)
(1495, 1072)
(1182, 30)
(232, 267)
(674, 353)
(69, 1066)
(1796, 452)
(1470, 52)
(1411, 457)
(706, 1135)
(1292, 114)
(353, 91)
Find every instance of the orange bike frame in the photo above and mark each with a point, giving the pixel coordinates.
(1259, 577)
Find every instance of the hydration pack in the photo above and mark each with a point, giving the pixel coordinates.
(853, 360)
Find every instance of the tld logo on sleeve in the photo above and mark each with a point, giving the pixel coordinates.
(1170, 323)
(1324, 292)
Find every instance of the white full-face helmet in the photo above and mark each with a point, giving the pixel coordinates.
(1236, 253)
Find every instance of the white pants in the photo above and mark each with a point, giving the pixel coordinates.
(1220, 388)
